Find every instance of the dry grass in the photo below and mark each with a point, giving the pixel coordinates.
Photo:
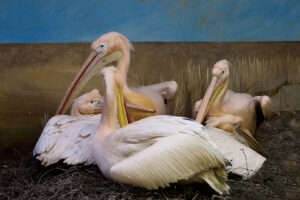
(256, 76)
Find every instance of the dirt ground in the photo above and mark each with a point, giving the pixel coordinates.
(25, 178)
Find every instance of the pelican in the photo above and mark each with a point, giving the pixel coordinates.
(155, 151)
(245, 162)
(70, 138)
(51, 147)
(225, 108)
(87, 104)
(115, 47)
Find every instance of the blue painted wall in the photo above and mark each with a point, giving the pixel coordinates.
(146, 20)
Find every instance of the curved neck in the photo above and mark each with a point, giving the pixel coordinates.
(130, 95)
(123, 66)
(108, 119)
(75, 112)
(75, 109)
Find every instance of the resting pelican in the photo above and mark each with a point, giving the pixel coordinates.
(245, 162)
(155, 151)
(220, 103)
(87, 104)
(70, 138)
(148, 99)
(72, 142)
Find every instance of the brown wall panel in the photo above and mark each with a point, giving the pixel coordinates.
(33, 77)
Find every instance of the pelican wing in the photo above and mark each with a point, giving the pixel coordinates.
(174, 149)
(245, 161)
(67, 138)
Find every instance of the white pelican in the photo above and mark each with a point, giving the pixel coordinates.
(87, 104)
(155, 151)
(52, 147)
(70, 138)
(245, 162)
(222, 106)
(147, 98)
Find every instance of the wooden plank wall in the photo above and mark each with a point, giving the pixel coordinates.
(33, 77)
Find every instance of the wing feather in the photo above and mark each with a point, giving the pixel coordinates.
(167, 156)
(169, 160)
(51, 133)
(245, 161)
(67, 138)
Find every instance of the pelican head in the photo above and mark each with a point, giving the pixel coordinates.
(220, 76)
(89, 103)
(221, 70)
(110, 42)
(107, 49)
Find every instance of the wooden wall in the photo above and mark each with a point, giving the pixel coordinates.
(33, 77)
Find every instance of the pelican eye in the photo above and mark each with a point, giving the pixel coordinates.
(223, 71)
(100, 47)
(92, 101)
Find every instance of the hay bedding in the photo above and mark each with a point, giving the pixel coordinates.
(279, 178)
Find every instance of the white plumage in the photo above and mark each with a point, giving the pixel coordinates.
(155, 151)
(235, 114)
(70, 138)
(244, 160)
(67, 138)
(160, 150)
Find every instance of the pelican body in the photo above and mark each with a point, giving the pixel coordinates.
(155, 151)
(231, 111)
(70, 138)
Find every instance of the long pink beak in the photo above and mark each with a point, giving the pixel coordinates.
(88, 64)
(207, 100)
(88, 69)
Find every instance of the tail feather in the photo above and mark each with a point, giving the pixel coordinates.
(266, 105)
(217, 180)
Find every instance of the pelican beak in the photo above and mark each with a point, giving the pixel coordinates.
(213, 90)
(128, 106)
(121, 113)
(251, 141)
(139, 108)
(98, 107)
(94, 63)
